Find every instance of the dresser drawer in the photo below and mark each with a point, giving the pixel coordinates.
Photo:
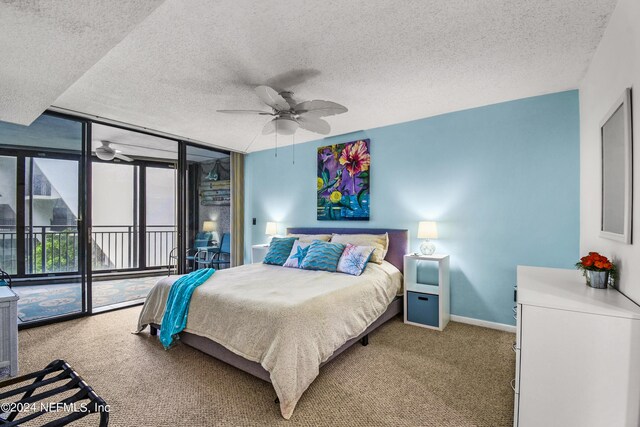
(423, 308)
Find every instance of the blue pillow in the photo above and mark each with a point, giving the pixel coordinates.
(322, 256)
(279, 250)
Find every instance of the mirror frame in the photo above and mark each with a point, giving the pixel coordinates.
(624, 103)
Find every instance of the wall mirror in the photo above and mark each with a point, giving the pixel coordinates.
(617, 164)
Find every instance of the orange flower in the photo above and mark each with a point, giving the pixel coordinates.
(587, 261)
(595, 261)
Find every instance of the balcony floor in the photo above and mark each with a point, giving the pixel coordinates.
(39, 302)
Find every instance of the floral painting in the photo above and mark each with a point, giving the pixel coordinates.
(343, 181)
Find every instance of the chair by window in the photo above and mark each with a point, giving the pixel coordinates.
(217, 257)
(204, 240)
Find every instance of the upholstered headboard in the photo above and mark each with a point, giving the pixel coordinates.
(398, 239)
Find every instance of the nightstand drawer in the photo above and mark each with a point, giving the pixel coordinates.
(423, 309)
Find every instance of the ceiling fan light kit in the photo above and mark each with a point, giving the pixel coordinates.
(285, 125)
(107, 153)
(289, 115)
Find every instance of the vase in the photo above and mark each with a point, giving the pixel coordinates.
(598, 279)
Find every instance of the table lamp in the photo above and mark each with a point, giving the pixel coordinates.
(210, 227)
(427, 230)
(271, 229)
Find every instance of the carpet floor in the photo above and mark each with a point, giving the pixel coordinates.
(406, 376)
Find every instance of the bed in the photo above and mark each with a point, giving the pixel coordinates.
(282, 324)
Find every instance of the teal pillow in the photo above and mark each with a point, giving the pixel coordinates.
(279, 250)
(322, 256)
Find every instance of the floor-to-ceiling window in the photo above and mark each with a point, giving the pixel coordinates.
(89, 215)
(133, 211)
(41, 211)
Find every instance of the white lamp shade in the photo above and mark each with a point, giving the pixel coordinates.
(427, 230)
(208, 226)
(272, 229)
(285, 126)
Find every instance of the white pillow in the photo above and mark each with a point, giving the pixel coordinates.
(354, 259)
(379, 241)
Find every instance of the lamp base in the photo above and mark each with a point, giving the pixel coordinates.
(427, 248)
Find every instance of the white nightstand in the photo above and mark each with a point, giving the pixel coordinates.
(258, 252)
(427, 304)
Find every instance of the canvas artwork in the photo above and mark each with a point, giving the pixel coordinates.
(343, 181)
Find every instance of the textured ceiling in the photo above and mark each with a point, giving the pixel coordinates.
(387, 61)
(47, 45)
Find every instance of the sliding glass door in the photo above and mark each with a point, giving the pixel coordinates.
(133, 210)
(41, 211)
(92, 215)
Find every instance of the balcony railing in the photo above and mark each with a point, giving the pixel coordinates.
(54, 249)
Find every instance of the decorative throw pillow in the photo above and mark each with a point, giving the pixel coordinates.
(322, 256)
(279, 250)
(354, 259)
(311, 237)
(298, 252)
(379, 241)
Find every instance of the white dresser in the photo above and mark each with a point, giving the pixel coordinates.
(577, 353)
(8, 330)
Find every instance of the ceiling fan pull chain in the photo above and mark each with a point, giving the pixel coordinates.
(293, 140)
(276, 138)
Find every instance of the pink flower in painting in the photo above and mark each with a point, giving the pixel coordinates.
(355, 158)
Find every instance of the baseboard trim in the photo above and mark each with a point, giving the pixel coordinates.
(484, 323)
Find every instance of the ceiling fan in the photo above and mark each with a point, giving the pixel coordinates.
(106, 152)
(289, 115)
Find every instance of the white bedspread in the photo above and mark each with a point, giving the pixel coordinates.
(288, 320)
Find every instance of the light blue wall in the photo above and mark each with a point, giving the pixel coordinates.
(502, 181)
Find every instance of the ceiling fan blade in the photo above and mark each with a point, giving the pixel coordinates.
(320, 108)
(314, 124)
(269, 127)
(262, 113)
(123, 157)
(272, 98)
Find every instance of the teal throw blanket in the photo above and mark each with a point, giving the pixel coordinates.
(174, 319)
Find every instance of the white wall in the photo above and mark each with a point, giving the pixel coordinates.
(614, 67)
